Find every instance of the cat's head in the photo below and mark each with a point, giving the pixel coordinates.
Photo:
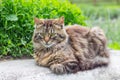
(49, 32)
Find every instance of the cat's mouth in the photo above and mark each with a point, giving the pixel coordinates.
(48, 45)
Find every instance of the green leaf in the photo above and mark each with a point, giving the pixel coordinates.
(23, 42)
(12, 17)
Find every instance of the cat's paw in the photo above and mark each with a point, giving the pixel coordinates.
(72, 67)
(58, 68)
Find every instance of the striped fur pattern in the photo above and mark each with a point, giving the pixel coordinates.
(70, 49)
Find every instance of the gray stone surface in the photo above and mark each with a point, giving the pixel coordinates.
(28, 70)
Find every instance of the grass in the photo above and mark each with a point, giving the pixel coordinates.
(106, 16)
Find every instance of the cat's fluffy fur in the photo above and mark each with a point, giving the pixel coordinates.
(80, 49)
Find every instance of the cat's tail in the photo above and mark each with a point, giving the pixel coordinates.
(99, 40)
(99, 34)
(93, 63)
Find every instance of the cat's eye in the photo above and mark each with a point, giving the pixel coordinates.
(40, 36)
(61, 36)
(54, 36)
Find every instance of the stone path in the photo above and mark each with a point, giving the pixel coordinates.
(28, 70)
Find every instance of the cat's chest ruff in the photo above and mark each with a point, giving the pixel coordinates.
(46, 56)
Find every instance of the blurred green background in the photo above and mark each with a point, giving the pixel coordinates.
(105, 14)
(16, 21)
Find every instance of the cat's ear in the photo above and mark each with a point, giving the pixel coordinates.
(38, 21)
(61, 20)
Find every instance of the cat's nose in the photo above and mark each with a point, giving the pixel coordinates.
(46, 38)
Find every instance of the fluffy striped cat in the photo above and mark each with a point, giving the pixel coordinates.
(68, 49)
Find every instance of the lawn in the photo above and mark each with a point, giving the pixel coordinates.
(106, 16)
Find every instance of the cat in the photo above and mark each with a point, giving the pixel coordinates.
(68, 49)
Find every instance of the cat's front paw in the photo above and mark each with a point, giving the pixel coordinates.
(58, 68)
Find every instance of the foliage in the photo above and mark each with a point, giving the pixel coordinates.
(105, 12)
(115, 45)
(107, 17)
(16, 22)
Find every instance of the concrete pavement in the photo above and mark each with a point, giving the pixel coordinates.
(27, 70)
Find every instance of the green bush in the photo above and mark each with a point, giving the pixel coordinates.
(16, 22)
